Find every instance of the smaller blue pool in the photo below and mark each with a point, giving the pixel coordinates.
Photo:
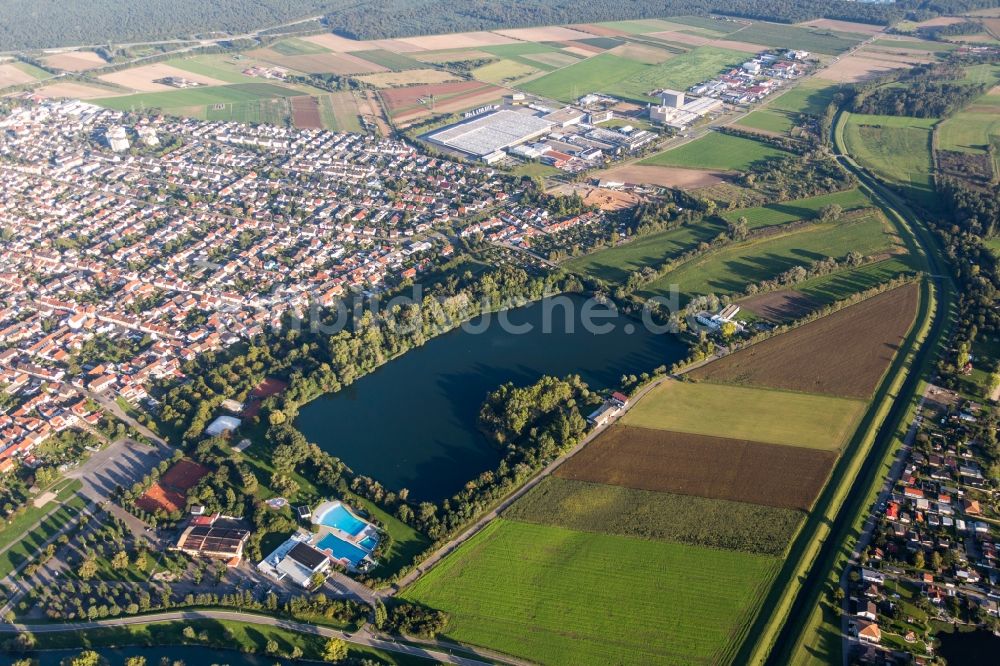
(369, 543)
(343, 520)
(341, 549)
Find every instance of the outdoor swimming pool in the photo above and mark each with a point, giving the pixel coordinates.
(340, 518)
(342, 550)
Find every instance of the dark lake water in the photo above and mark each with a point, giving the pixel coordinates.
(412, 423)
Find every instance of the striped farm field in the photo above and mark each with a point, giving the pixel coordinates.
(755, 414)
(558, 596)
(811, 357)
(720, 468)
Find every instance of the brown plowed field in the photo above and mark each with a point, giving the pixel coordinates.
(844, 354)
(305, 112)
(785, 305)
(730, 469)
(400, 98)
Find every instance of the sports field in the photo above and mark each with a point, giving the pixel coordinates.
(230, 94)
(755, 414)
(897, 147)
(558, 596)
(616, 263)
(799, 209)
(730, 269)
(716, 150)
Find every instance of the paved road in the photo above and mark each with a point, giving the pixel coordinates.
(447, 548)
(361, 637)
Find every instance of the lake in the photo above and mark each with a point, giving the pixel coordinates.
(413, 422)
(969, 647)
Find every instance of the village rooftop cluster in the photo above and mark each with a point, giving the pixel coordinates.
(173, 237)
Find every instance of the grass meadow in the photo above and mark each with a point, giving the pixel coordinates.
(614, 264)
(810, 96)
(558, 596)
(730, 269)
(799, 209)
(716, 150)
(660, 516)
(783, 36)
(897, 147)
(201, 96)
(769, 120)
(755, 414)
(842, 284)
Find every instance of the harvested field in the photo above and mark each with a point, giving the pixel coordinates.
(409, 77)
(714, 467)
(631, 512)
(10, 75)
(75, 61)
(812, 357)
(677, 177)
(458, 40)
(440, 57)
(502, 71)
(553, 33)
(338, 43)
(700, 40)
(321, 63)
(407, 97)
(757, 414)
(169, 493)
(305, 112)
(780, 306)
(73, 90)
(643, 53)
(856, 68)
(143, 79)
(599, 30)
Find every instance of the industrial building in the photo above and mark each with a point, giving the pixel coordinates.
(484, 137)
(680, 118)
(215, 538)
(672, 98)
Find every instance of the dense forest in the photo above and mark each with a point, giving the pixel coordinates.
(27, 24)
(920, 99)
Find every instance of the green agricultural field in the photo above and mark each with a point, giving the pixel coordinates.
(973, 129)
(698, 521)
(503, 70)
(784, 36)
(397, 62)
(296, 47)
(759, 415)
(640, 27)
(799, 209)
(842, 284)
(231, 94)
(616, 263)
(706, 25)
(32, 70)
(810, 96)
(730, 269)
(558, 596)
(716, 150)
(897, 147)
(985, 73)
(260, 111)
(520, 49)
(769, 120)
(598, 74)
(216, 67)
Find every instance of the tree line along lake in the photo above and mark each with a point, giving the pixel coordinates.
(413, 423)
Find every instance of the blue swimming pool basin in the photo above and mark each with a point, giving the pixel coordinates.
(340, 518)
(342, 549)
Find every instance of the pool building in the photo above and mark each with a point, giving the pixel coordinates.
(340, 537)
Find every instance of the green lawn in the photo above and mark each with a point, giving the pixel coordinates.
(697, 521)
(202, 96)
(523, 48)
(503, 70)
(407, 543)
(28, 545)
(295, 47)
(799, 209)
(32, 70)
(993, 246)
(616, 263)
(558, 596)
(759, 415)
(769, 120)
(974, 129)
(716, 150)
(784, 36)
(897, 147)
(14, 528)
(731, 268)
(810, 96)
